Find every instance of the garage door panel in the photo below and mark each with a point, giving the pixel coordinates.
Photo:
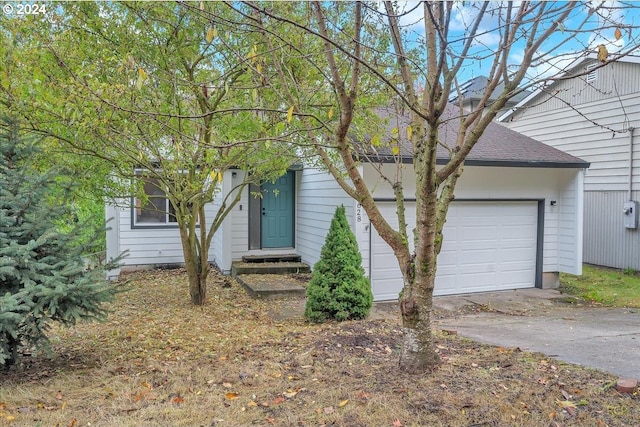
(515, 254)
(487, 246)
(482, 233)
(447, 258)
(479, 256)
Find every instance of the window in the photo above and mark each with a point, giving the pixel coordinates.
(157, 209)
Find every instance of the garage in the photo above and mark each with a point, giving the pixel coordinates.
(488, 246)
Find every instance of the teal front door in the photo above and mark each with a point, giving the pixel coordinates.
(277, 212)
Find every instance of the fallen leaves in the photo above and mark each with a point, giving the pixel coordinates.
(151, 363)
(290, 394)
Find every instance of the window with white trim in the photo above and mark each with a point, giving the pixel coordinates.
(156, 209)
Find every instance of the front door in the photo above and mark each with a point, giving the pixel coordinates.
(277, 212)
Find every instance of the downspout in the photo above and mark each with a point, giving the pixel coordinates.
(630, 163)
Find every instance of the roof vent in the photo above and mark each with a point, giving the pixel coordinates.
(592, 73)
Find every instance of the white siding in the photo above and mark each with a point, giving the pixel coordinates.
(112, 238)
(580, 120)
(613, 80)
(217, 251)
(318, 195)
(588, 134)
(237, 222)
(148, 245)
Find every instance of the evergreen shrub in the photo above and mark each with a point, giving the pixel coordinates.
(338, 288)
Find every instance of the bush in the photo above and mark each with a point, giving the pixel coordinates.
(338, 288)
(42, 272)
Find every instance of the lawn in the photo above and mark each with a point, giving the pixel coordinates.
(158, 361)
(606, 286)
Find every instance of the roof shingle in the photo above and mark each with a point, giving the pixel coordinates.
(498, 145)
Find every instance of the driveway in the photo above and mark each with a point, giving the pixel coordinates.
(546, 321)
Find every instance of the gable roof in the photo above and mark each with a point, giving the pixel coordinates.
(498, 145)
(568, 70)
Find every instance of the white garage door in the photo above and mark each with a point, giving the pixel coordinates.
(487, 246)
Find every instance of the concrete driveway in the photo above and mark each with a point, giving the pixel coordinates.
(545, 321)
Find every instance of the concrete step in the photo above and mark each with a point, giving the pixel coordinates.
(243, 267)
(272, 285)
(255, 259)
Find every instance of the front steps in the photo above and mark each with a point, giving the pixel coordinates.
(271, 276)
(269, 264)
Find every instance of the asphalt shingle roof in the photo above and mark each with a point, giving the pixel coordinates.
(498, 145)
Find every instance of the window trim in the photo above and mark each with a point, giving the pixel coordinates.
(135, 224)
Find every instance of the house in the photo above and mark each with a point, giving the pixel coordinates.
(471, 92)
(516, 221)
(593, 116)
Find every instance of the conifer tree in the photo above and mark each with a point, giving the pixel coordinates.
(338, 288)
(43, 278)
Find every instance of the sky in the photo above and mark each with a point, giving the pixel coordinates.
(613, 14)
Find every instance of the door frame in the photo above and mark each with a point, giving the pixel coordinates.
(255, 215)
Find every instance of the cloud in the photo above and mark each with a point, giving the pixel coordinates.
(610, 15)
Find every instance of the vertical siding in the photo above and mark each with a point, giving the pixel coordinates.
(318, 194)
(606, 240)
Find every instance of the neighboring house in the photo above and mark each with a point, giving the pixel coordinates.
(593, 116)
(471, 92)
(516, 221)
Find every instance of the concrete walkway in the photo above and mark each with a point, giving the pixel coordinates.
(544, 321)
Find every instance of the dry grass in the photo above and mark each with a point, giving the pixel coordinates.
(160, 362)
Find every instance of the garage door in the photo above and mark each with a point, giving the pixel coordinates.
(487, 246)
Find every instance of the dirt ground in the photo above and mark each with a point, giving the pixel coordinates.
(158, 361)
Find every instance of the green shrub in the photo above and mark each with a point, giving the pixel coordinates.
(338, 288)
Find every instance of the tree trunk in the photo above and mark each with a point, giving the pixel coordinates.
(418, 354)
(197, 272)
(197, 287)
(12, 346)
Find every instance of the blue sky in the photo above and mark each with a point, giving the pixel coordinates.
(612, 15)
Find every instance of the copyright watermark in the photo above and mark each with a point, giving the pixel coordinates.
(24, 9)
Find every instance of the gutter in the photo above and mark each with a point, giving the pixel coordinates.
(577, 164)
